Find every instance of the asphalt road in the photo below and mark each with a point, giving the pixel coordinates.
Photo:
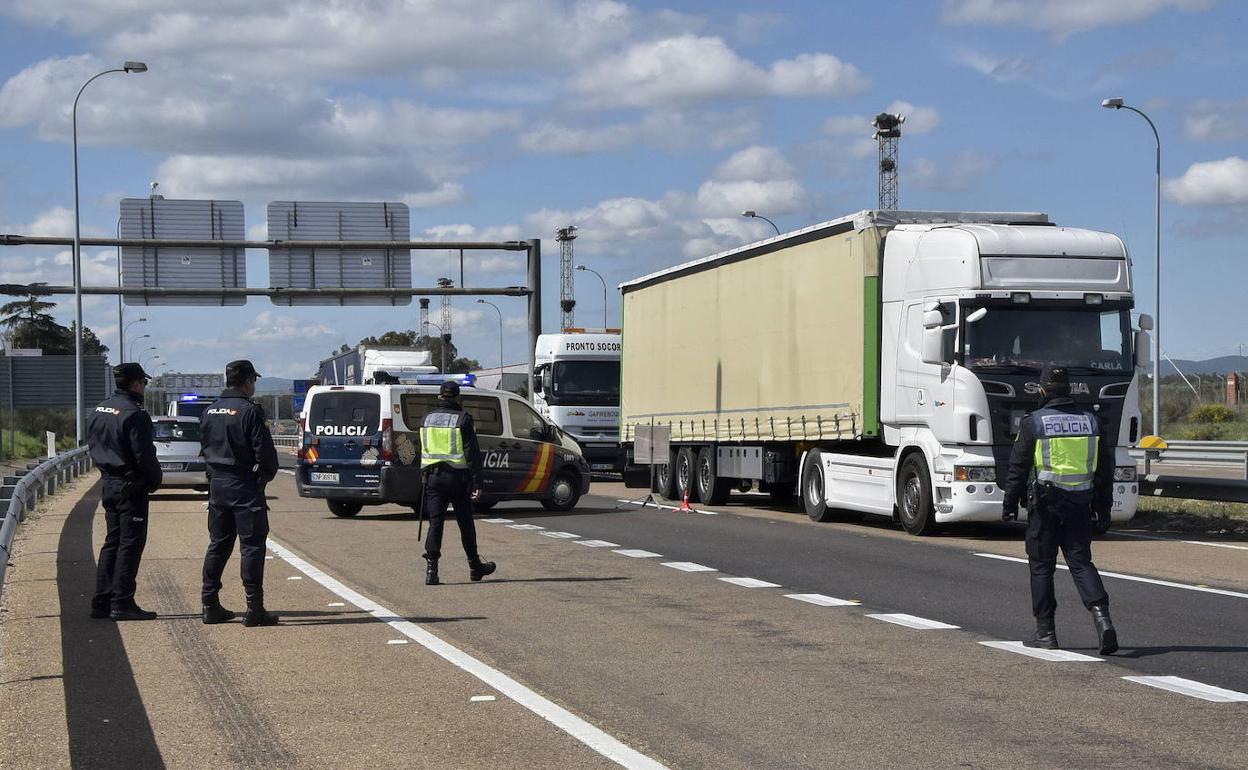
(695, 671)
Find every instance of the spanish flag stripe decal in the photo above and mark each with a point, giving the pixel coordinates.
(540, 472)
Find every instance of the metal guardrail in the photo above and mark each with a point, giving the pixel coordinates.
(1208, 453)
(28, 487)
(1194, 488)
(292, 442)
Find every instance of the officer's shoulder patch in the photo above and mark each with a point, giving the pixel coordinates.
(107, 410)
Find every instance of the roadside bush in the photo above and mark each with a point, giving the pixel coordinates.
(1202, 432)
(1212, 414)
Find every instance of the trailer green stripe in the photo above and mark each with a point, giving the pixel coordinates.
(871, 356)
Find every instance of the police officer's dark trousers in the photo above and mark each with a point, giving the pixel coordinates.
(443, 487)
(1062, 520)
(236, 510)
(125, 514)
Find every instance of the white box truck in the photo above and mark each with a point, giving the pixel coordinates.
(576, 385)
(880, 363)
(362, 364)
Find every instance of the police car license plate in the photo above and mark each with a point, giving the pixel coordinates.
(172, 466)
(325, 478)
(601, 466)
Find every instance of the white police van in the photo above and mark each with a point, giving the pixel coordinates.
(361, 446)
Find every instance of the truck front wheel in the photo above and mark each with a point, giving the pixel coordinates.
(914, 496)
(814, 496)
(711, 488)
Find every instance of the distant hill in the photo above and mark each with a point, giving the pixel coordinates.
(273, 384)
(1220, 365)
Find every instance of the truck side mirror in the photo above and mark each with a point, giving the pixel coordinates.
(537, 383)
(933, 345)
(1143, 347)
(933, 319)
(1146, 322)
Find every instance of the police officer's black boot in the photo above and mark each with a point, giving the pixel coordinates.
(478, 569)
(1106, 634)
(214, 613)
(131, 611)
(1045, 637)
(431, 572)
(257, 615)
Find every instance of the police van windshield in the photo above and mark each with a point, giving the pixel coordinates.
(1026, 338)
(193, 408)
(344, 413)
(175, 431)
(586, 382)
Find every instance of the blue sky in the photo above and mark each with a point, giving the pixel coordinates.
(649, 126)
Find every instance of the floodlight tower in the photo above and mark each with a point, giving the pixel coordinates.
(888, 133)
(446, 283)
(565, 236)
(424, 319)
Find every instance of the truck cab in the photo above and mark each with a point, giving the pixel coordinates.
(576, 385)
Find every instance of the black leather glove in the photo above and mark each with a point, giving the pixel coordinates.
(1009, 514)
(1102, 518)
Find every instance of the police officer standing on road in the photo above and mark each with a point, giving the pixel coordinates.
(238, 449)
(119, 433)
(1065, 446)
(450, 460)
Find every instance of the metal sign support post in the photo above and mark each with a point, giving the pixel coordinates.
(535, 308)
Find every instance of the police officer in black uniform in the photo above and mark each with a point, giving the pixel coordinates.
(451, 483)
(119, 433)
(238, 449)
(1065, 461)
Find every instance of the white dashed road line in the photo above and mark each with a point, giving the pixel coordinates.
(497, 521)
(593, 737)
(1057, 656)
(287, 471)
(597, 544)
(689, 566)
(749, 582)
(637, 553)
(823, 601)
(529, 527)
(667, 507)
(561, 535)
(1192, 689)
(1188, 542)
(482, 699)
(1134, 578)
(912, 621)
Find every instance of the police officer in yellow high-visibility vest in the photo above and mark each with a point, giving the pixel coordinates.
(450, 460)
(1065, 458)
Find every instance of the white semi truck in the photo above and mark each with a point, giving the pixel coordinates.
(880, 363)
(576, 385)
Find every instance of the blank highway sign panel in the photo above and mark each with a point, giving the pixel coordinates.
(146, 267)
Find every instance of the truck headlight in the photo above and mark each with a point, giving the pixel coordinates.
(974, 473)
(1124, 473)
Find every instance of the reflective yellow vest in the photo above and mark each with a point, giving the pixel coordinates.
(442, 441)
(1066, 449)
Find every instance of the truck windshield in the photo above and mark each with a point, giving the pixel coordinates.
(1027, 338)
(586, 382)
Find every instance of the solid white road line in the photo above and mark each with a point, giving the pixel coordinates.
(565, 720)
(911, 621)
(750, 582)
(1061, 656)
(286, 470)
(497, 521)
(666, 507)
(530, 527)
(1193, 689)
(1188, 542)
(561, 535)
(823, 601)
(688, 566)
(1134, 578)
(597, 544)
(636, 553)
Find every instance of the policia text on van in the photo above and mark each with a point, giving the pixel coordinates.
(361, 446)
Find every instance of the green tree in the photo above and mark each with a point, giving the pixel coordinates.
(29, 323)
(410, 338)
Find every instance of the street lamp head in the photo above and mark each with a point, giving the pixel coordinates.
(134, 66)
(581, 267)
(749, 213)
(1112, 104)
(480, 302)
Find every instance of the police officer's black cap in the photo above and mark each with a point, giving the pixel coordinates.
(240, 371)
(129, 372)
(1054, 375)
(449, 390)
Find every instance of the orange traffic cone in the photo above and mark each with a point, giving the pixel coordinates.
(684, 504)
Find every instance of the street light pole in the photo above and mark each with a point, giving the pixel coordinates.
(135, 342)
(130, 66)
(756, 215)
(604, 291)
(1117, 104)
(121, 353)
(500, 336)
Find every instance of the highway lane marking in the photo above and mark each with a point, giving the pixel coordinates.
(636, 553)
(911, 621)
(561, 535)
(1190, 688)
(336, 604)
(666, 507)
(1059, 656)
(1134, 578)
(823, 601)
(593, 737)
(482, 699)
(689, 566)
(597, 544)
(294, 577)
(497, 521)
(530, 527)
(1189, 542)
(397, 641)
(749, 582)
(286, 470)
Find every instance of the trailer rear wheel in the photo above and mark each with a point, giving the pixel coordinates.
(685, 474)
(711, 488)
(663, 481)
(814, 496)
(914, 496)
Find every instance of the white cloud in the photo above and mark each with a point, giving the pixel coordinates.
(270, 328)
(1211, 120)
(444, 194)
(1061, 18)
(1002, 69)
(758, 178)
(1212, 183)
(956, 174)
(919, 120)
(689, 69)
(662, 129)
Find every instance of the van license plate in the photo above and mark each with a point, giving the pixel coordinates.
(172, 466)
(325, 478)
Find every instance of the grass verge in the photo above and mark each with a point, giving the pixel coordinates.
(1203, 517)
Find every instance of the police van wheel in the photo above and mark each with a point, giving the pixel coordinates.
(712, 488)
(686, 474)
(914, 496)
(814, 496)
(565, 493)
(344, 509)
